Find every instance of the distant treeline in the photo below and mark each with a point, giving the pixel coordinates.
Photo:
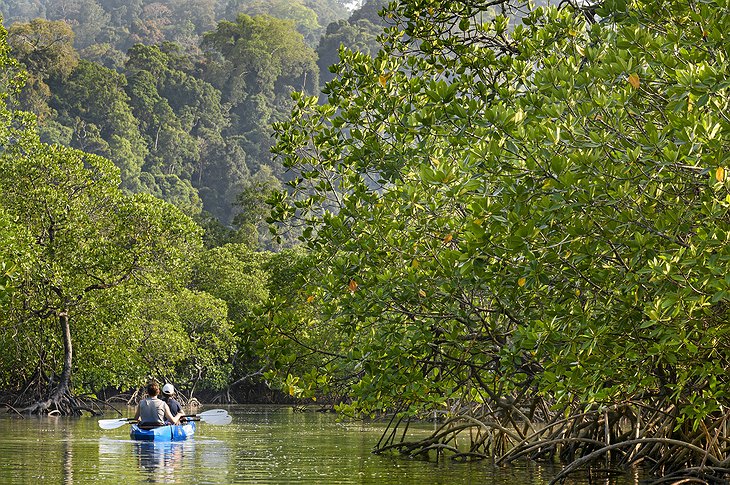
(182, 95)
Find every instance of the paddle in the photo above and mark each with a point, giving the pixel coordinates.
(114, 423)
(214, 416)
(218, 419)
(212, 412)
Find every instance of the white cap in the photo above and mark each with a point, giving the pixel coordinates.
(168, 389)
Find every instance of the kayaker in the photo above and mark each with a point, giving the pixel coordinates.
(168, 391)
(152, 411)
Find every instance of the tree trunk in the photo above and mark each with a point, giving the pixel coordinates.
(60, 400)
(65, 380)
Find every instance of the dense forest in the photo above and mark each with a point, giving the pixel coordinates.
(512, 218)
(136, 165)
(181, 95)
(522, 227)
(135, 169)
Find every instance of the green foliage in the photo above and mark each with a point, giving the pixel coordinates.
(13, 130)
(45, 48)
(94, 103)
(46, 51)
(13, 255)
(88, 239)
(14, 125)
(277, 62)
(182, 336)
(236, 275)
(370, 10)
(119, 24)
(303, 17)
(252, 202)
(174, 190)
(74, 246)
(185, 336)
(292, 330)
(181, 126)
(87, 18)
(310, 16)
(361, 36)
(328, 11)
(548, 213)
(271, 48)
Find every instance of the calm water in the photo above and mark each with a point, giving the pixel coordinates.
(263, 445)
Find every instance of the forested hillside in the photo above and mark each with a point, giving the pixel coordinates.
(181, 95)
(116, 25)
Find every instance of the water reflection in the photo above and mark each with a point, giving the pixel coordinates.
(157, 462)
(160, 462)
(263, 445)
(55, 425)
(68, 458)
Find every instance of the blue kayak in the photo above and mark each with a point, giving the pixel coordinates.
(170, 432)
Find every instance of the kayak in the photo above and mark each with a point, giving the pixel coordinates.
(169, 432)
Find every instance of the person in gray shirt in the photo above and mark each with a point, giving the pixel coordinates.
(152, 411)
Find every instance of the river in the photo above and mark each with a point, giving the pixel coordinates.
(263, 445)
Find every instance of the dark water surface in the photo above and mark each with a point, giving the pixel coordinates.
(263, 445)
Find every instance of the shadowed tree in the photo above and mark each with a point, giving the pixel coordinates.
(256, 63)
(89, 238)
(45, 48)
(93, 102)
(86, 17)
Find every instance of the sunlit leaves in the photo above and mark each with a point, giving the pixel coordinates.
(634, 80)
(383, 79)
(88, 239)
(352, 286)
(528, 198)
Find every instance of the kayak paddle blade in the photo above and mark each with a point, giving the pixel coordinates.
(212, 412)
(217, 419)
(113, 423)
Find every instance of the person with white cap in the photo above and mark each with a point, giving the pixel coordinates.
(168, 391)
